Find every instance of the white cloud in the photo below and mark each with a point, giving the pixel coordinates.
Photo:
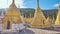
(55, 5)
(6, 3)
(21, 3)
(3, 3)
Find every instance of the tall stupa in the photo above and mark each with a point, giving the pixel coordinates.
(13, 16)
(57, 22)
(39, 18)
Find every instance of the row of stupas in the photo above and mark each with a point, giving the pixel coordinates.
(13, 16)
(40, 21)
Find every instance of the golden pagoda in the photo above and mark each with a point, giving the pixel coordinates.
(57, 22)
(13, 16)
(39, 18)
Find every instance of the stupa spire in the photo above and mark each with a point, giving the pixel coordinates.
(38, 3)
(13, 6)
(13, 1)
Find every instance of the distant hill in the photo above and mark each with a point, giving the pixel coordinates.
(28, 11)
(51, 13)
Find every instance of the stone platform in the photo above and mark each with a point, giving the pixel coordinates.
(33, 31)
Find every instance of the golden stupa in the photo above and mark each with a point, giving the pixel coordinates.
(13, 16)
(39, 18)
(29, 19)
(57, 22)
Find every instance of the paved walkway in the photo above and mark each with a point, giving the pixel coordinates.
(34, 31)
(40, 31)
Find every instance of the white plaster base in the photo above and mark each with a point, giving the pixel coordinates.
(18, 27)
(14, 27)
(1, 27)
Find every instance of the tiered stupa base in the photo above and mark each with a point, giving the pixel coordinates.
(40, 26)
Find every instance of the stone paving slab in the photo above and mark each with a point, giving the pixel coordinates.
(37, 31)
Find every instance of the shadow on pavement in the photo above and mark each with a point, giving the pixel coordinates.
(27, 31)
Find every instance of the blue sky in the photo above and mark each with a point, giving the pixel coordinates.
(44, 4)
